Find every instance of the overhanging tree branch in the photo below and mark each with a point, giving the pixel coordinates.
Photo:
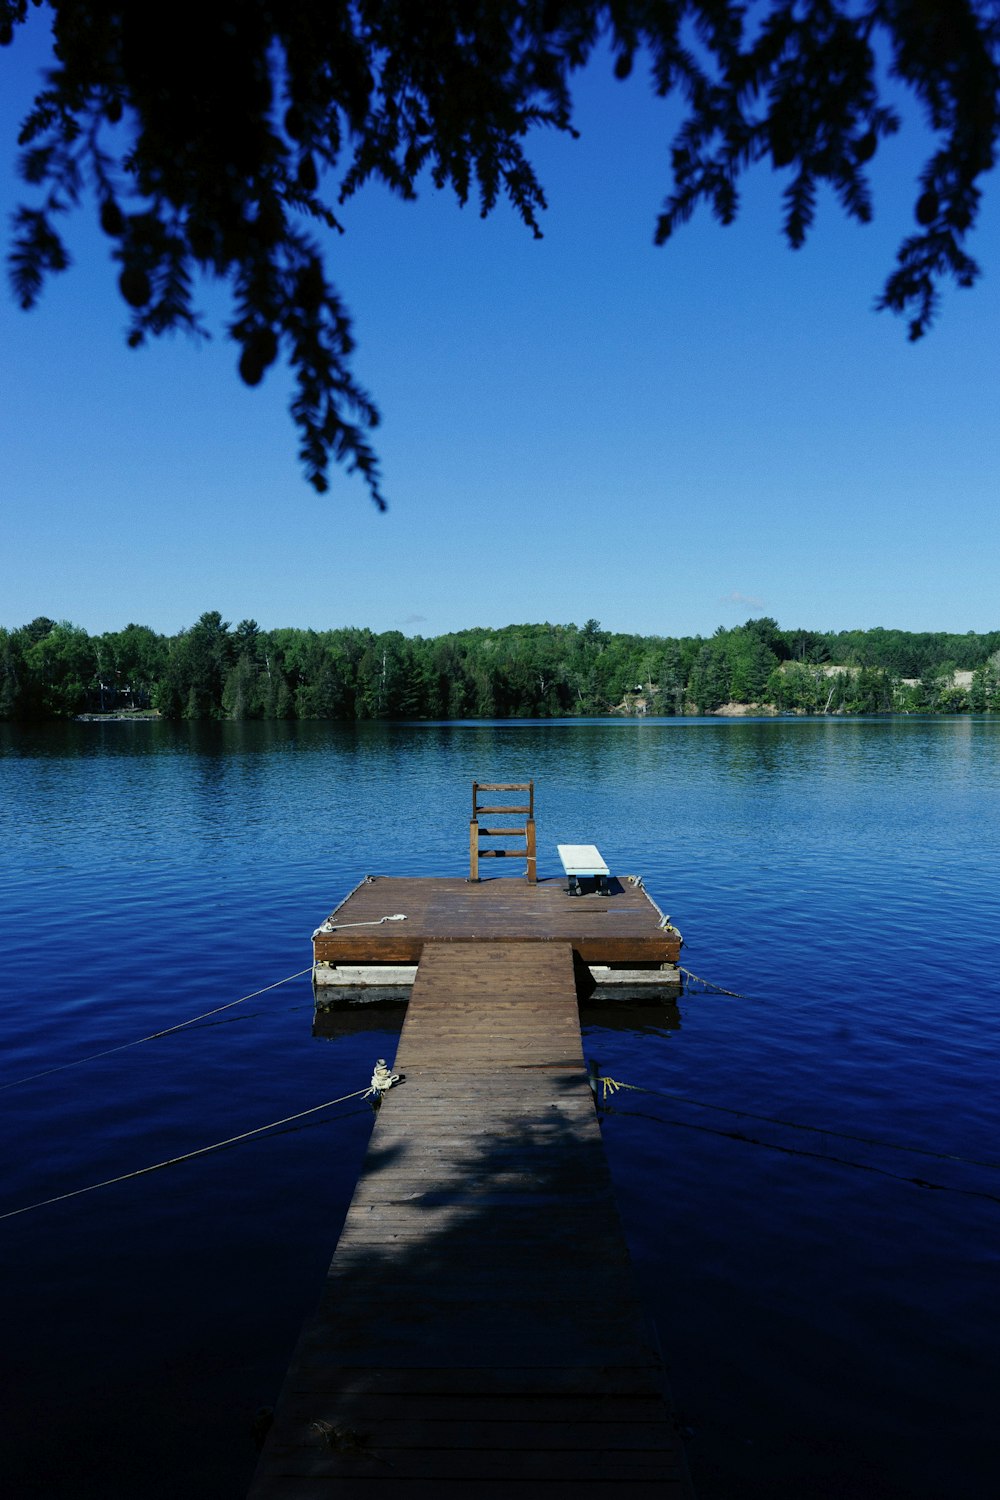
(210, 135)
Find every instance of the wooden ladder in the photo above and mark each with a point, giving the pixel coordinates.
(527, 833)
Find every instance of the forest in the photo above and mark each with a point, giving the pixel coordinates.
(213, 670)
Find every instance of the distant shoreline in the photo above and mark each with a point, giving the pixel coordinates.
(51, 670)
(119, 716)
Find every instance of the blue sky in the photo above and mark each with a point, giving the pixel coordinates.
(666, 439)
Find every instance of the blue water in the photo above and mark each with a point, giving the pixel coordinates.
(830, 1326)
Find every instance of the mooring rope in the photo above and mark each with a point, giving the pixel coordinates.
(166, 1031)
(715, 988)
(187, 1156)
(840, 1161)
(330, 926)
(612, 1085)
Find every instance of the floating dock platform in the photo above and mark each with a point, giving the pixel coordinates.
(369, 947)
(479, 1333)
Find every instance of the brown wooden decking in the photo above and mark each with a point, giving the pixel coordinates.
(623, 927)
(479, 1332)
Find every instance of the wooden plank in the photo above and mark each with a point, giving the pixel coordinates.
(622, 927)
(562, 1382)
(396, 948)
(455, 1462)
(464, 1405)
(479, 1326)
(359, 1487)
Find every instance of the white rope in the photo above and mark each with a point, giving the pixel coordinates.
(167, 1030)
(382, 1080)
(733, 994)
(330, 926)
(188, 1155)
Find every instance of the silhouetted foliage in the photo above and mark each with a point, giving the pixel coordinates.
(211, 671)
(213, 138)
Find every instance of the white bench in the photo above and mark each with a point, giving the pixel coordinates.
(583, 862)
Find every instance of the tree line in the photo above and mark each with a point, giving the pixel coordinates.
(213, 670)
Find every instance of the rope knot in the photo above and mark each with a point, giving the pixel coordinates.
(382, 1080)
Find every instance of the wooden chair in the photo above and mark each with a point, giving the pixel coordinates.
(527, 833)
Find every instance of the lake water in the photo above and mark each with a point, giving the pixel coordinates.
(830, 1325)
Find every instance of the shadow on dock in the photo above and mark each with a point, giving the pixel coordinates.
(479, 1323)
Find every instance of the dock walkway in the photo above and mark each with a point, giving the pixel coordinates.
(479, 1332)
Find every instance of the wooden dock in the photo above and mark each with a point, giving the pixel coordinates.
(479, 1331)
(623, 927)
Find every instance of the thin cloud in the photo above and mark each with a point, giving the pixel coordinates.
(742, 600)
(413, 620)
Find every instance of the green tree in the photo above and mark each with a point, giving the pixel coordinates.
(752, 659)
(130, 662)
(209, 135)
(11, 675)
(587, 646)
(671, 680)
(984, 692)
(196, 671)
(708, 685)
(798, 687)
(387, 688)
(445, 679)
(241, 698)
(871, 691)
(60, 665)
(39, 628)
(806, 646)
(243, 694)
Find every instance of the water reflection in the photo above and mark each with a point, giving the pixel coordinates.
(335, 1019)
(332, 1021)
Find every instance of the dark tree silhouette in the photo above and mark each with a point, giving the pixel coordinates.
(214, 135)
